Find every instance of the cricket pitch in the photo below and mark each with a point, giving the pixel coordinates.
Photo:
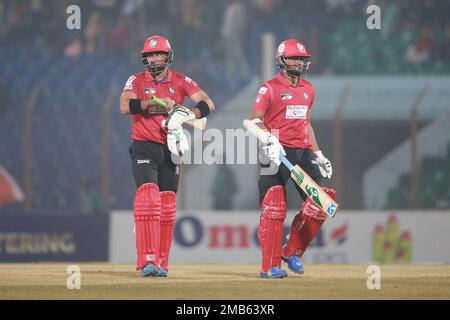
(222, 281)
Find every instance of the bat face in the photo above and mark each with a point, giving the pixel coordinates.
(307, 184)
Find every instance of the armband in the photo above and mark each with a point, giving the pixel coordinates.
(203, 107)
(135, 106)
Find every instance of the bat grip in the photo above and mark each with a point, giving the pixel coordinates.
(286, 162)
(159, 102)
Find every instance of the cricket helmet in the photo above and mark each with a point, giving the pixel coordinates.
(156, 44)
(288, 49)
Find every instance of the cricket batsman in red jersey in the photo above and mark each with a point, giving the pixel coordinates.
(283, 109)
(157, 136)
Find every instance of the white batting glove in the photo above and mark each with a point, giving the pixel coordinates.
(177, 116)
(177, 142)
(272, 148)
(324, 165)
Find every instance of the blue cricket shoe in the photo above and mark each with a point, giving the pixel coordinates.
(161, 273)
(149, 270)
(294, 264)
(274, 273)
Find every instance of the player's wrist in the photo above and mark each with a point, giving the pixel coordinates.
(203, 109)
(147, 103)
(135, 106)
(319, 154)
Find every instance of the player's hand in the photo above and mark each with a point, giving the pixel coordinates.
(272, 148)
(177, 142)
(170, 104)
(324, 165)
(177, 116)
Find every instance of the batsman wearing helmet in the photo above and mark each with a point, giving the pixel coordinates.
(283, 110)
(156, 135)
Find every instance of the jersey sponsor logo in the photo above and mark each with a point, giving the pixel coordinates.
(149, 90)
(296, 111)
(286, 96)
(263, 90)
(129, 83)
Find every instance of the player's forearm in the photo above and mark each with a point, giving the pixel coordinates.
(203, 108)
(134, 106)
(260, 122)
(312, 137)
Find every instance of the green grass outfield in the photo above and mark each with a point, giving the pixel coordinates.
(222, 281)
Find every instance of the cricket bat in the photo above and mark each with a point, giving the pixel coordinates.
(301, 178)
(199, 124)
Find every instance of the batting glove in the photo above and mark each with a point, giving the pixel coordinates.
(177, 116)
(177, 142)
(272, 148)
(324, 165)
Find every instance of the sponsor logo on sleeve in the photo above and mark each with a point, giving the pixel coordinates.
(129, 83)
(263, 90)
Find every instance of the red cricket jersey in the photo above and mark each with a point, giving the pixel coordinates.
(286, 109)
(176, 86)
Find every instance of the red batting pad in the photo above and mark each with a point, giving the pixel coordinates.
(305, 226)
(270, 229)
(168, 214)
(147, 207)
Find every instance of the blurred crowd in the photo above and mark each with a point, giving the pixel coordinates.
(220, 40)
(216, 42)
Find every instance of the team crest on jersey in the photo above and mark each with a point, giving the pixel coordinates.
(149, 90)
(172, 90)
(286, 96)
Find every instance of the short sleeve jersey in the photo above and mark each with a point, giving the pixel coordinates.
(286, 108)
(147, 126)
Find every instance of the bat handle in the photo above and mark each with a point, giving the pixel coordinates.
(159, 102)
(286, 162)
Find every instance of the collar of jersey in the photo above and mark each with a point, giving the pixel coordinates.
(168, 78)
(286, 83)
